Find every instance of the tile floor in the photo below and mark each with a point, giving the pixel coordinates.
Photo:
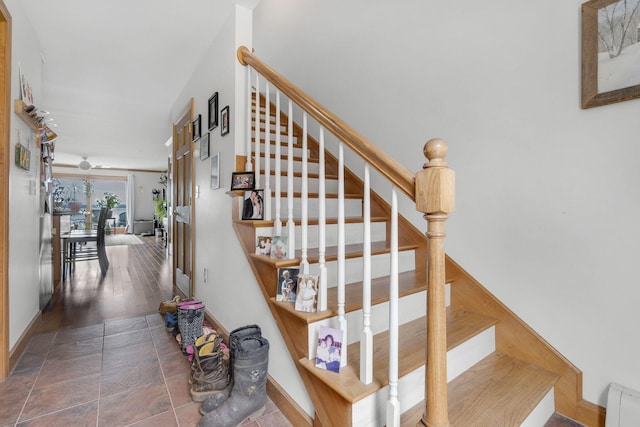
(123, 372)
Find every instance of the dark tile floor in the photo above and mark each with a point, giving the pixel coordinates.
(123, 372)
(102, 356)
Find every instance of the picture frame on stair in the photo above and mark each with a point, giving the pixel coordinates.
(253, 205)
(279, 247)
(307, 298)
(329, 351)
(287, 284)
(243, 181)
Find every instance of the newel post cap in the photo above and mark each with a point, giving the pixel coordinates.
(435, 183)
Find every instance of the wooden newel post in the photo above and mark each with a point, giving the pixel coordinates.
(435, 196)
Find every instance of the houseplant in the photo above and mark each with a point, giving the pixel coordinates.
(109, 201)
(74, 204)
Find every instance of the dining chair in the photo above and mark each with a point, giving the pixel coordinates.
(72, 253)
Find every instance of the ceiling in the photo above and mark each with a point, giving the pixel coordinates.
(113, 68)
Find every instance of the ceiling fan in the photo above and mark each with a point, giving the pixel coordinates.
(84, 164)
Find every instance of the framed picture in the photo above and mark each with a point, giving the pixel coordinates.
(287, 284)
(213, 111)
(243, 180)
(253, 205)
(610, 36)
(329, 352)
(196, 127)
(263, 245)
(215, 171)
(224, 117)
(279, 247)
(307, 298)
(204, 146)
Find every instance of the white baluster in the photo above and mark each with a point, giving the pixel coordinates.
(291, 226)
(277, 225)
(247, 165)
(393, 405)
(322, 229)
(304, 264)
(342, 320)
(267, 156)
(366, 339)
(256, 161)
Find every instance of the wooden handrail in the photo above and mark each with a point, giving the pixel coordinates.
(396, 173)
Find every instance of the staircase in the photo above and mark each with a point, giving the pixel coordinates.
(499, 372)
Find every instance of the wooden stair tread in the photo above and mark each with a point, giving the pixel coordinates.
(498, 390)
(299, 174)
(462, 325)
(409, 283)
(331, 252)
(311, 221)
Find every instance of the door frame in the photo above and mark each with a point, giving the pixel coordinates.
(187, 110)
(5, 160)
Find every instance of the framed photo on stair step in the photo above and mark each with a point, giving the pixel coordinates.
(329, 350)
(307, 298)
(287, 284)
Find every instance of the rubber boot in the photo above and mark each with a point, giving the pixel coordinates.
(210, 374)
(215, 400)
(249, 393)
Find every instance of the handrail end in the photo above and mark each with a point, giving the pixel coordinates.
(240, 53)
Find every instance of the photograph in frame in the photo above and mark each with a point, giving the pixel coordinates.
(287, 284)
(243, 180)
(213, 111)
(253, 205)
(224, 118)
(204, 146)
(329, 351)
(307, 297)
(215, 171)
(196, 127)
(279, 247)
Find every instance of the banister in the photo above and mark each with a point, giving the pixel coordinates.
(395, 172)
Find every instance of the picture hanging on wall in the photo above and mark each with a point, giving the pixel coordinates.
(610, 51)
(197, 127)
(224, 116)
(215, 171)
(204, 146)
(213, 111)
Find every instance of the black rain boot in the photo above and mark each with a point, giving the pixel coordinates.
(249, 393)
(215, 400)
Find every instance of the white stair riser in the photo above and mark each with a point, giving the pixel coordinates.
(542, 412)
(354, 234)
(352, 208)
(313, 184)
(370, 411)
(284, 152)
(410, 307)
(313, 167)
(264, 136)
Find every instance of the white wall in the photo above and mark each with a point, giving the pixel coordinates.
(547, 193)
(231, 292)
(24, 233)
(145, 182)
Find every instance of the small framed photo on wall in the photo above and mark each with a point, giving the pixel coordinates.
(213, 111)
(215, 171)
(204, 146)
(196, 127)
(224, 117)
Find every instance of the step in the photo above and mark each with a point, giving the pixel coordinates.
(497, 391)
(271, 136)
(354, 232)
(352, 208)
(313, 165)
(313, 182)
(284, 151)
(370, 400)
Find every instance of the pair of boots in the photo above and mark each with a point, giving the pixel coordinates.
(245, 393)
(209, 367)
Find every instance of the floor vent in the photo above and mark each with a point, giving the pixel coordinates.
(623, 407)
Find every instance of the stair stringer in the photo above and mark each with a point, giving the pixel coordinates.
(515, 338)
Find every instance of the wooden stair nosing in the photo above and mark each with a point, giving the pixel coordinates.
(412, 345)
(498, 390)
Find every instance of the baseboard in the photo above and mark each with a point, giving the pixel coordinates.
(289, 408)
(23, 341)
(590, 414)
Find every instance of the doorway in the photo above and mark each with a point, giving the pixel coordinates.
(5, 160)
(183, 195)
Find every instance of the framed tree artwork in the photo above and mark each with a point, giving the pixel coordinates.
(213, 111)
(610, 51)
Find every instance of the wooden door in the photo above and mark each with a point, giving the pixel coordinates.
(182, 219)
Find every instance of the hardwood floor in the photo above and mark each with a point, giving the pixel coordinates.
(104, 357)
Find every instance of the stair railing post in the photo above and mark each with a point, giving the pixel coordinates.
(435, 196)
(291, 225)
(247, 165)
(304, 226)
(256, 140)
(267, 156)
(277, 225)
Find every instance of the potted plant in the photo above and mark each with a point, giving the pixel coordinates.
(74, 204)
(161, 214)
(109, 201)
(59, 195)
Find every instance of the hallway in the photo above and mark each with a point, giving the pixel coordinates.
(104, 357)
